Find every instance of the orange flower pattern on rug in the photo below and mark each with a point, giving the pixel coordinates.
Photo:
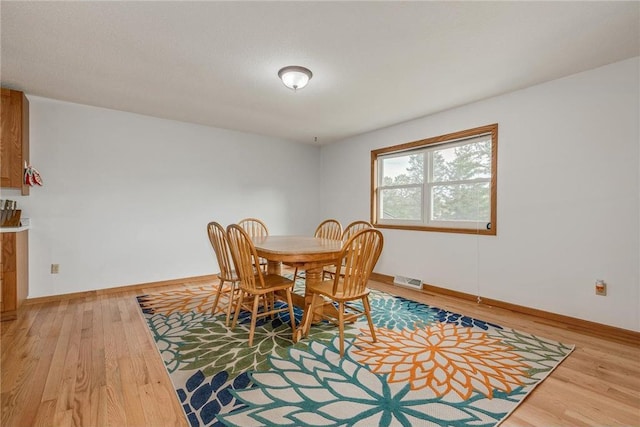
(444, 358)
(199, 299)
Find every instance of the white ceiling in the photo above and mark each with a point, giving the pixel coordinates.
(374, 63)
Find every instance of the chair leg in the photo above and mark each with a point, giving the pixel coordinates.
(291, 315)
(215, 302)
(328, 274)
(272, 304)
(254, 315)
(238, 308)
(341, 326)
(232, 295)
(269, 304)
(265, 303)
(367, 311)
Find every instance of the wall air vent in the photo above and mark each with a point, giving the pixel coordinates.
(408, 282)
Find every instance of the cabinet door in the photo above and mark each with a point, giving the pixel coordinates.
(14, 142)
(9, 276)
(14, 272)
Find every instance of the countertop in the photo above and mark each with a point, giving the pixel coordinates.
(14, 229)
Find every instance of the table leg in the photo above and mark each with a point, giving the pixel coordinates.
(274, 267)
(313, 275)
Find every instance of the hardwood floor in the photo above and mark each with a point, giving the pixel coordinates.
(90, 361)
(87, 361)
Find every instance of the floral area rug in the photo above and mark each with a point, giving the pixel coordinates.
(429, 367)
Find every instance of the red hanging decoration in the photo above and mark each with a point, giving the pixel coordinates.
(31, 175)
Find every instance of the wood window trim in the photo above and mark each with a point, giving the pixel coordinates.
(491, 129)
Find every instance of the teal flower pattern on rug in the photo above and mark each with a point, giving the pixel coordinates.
(170, 331)
(316, 387)
(427, 367)
(399, 313)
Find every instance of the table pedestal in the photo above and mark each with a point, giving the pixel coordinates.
(311, 275)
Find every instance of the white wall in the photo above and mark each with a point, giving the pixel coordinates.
(126, 198)
(568, 198)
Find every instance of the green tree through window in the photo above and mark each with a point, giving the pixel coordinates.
(445, 183)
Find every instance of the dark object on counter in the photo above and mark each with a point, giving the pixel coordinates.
(9, 215)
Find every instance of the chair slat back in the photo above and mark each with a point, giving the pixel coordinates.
(254, 227)
(329, 229)
(359, 256)
(245, 258)
(353, 228)
(220, 244)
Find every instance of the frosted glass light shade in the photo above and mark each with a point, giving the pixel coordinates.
(295, 77)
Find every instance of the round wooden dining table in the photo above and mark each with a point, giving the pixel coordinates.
(306, 253)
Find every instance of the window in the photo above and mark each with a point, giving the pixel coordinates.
(446, 183)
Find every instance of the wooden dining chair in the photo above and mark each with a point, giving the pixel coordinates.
(359, 255)
(255, 228)
(220, 243)
(354, 227)
(328, 229)
(349, 231)
(255, 284)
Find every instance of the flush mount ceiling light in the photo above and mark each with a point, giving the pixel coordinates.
(295, 77)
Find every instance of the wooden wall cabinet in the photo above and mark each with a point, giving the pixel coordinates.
(14, 275)
(14, 142)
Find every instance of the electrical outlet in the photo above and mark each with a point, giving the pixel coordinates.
(601, 288)
(55, 268)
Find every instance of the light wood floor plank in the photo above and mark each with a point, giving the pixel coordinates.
(133, 407)
(66, 397)
(90, 360)
(56, 373)
(46, 413)
(114, 395)
(35, 386)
